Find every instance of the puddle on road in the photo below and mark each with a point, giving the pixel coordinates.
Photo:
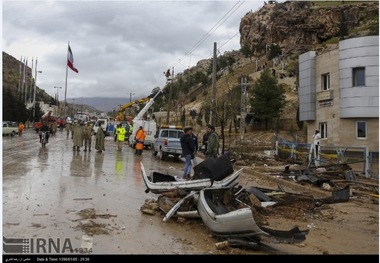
(92, 198)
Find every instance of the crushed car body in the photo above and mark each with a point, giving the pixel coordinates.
(227, 209)
(206, 175)
(228, 212)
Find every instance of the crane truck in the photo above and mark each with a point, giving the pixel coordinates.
(121, 115)
(149, 125)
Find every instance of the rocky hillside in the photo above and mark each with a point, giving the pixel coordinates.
(11, 73)
(294, 27)
(298, 26)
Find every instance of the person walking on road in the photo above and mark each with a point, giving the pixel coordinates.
(99, 140)
(129, 131)
(212, 143)
(187, 146)
(195, 144)
(87, 133)
(317, 146)
(21, 127)
(78, 136)
(44, 128)
(53, 128)
(139, 139)
(68, 129)
(205, 139)
(120, 136)
(317, 141)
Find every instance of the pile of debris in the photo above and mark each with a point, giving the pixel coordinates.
(229, 210)
(240, 215)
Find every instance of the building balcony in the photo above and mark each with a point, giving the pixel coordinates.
(324, 95)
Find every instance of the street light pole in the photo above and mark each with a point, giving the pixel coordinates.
(34, 92)
(130, 100)
(57, 100)
(170, 96)
(73, 107)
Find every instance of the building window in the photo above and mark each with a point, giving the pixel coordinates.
(323, 130)
(361, 129)
(358, 77)
(326, 81)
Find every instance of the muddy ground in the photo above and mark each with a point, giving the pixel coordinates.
(340, 228)
(95, 201)
(344, 227)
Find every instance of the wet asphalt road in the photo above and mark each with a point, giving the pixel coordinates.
(44, 191)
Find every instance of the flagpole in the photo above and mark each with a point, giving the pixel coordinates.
(31, 82)
(19, 82)
(68, 43)
(23, 80)
(26, 80)
(34, 94)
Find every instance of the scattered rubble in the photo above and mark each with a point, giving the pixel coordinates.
(89, 226)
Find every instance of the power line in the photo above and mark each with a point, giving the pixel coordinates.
(213, 29)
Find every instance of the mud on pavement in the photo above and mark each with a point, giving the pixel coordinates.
(94, 200)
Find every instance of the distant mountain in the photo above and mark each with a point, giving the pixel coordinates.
(11, 68)
(102, 104)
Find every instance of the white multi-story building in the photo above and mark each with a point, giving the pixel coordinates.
(339, 93)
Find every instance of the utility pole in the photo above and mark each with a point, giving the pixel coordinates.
(170, 97)
(243, 108)
(29, 93)
(73, 107)
(34, 92)
(26, 81)
(130, 100)
(213, 99)
(56, 99)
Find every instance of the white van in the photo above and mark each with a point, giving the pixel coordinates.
(103, 123)
(84, 117)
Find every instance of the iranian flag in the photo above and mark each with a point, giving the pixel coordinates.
(70, 60)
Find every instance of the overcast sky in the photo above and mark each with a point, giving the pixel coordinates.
(121, 46)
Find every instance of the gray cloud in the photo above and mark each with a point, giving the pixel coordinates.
(118, 46)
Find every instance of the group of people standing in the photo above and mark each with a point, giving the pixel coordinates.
(189, 145)
(82, 135)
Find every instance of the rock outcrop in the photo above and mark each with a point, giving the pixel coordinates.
(298, 25)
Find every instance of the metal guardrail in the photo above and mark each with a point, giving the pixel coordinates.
(359, 158)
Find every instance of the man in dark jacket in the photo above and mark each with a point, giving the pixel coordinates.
(195, 143)
(188, 150)
(205, 139)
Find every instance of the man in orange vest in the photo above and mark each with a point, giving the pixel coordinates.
(139, 139)
(21, 127)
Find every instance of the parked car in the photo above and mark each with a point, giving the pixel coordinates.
(10, 128)
(60, 122)
(167, 141)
